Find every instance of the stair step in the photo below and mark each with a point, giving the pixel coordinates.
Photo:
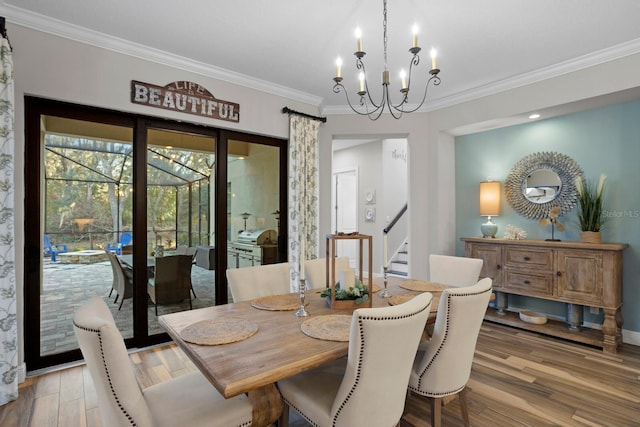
(399, 261)
(398, 273)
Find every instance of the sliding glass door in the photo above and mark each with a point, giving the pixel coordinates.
(112, 199)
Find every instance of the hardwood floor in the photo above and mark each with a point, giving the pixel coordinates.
(518, 379)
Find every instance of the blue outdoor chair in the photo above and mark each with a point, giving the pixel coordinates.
(53, 250)
(125, 239)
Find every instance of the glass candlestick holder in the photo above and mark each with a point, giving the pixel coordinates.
(385, 292)
(302, 312)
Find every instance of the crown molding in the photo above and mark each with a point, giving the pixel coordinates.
(59, 28)
(80, 34)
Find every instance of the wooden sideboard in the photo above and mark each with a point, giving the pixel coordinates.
(578, 274)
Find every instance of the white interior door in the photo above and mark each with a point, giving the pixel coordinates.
(345, 218)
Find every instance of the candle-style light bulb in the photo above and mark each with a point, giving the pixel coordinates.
(403, 78)
(339, 67)
(415, 35)
(433, 59)
(358, 40)
(361, 78)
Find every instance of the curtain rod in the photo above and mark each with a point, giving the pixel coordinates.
(287, 110)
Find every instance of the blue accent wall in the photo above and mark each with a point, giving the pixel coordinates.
(604, 140)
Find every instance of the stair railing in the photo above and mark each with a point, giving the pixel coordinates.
(389, 227)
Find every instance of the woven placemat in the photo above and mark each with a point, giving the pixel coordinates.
(399, 299)
(278, 302)
(423, 286)
(332, 327)
(219, 331)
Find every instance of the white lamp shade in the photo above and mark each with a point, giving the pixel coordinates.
(490, 198)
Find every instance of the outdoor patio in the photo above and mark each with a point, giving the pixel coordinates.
(67, 286)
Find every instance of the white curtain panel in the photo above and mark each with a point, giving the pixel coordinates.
(303, 193)
(8, 316)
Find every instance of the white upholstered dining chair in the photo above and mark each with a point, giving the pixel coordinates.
(371, 391)
(454, 270)
(248, 283)
(187, 400)
(315, 271)
(443, 364)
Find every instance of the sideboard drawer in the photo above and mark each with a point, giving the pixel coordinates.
(527, 283)
(541, 259)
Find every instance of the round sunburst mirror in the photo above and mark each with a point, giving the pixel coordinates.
(540, 182)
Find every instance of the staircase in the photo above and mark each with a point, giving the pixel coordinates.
(399, 264)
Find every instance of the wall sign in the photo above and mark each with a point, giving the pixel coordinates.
(186, 97)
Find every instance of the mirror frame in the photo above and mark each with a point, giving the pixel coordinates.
(564, 166)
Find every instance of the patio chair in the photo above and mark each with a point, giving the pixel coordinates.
(52, 250)
(122, 279)
(116, 247)
(171, 283)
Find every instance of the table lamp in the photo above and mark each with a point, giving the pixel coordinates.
(489, 206)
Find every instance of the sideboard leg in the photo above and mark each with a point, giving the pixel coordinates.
(612, 329)
(574, 316)
(502, 302)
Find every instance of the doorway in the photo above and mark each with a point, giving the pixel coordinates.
(345, 218)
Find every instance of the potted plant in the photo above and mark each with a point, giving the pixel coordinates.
(590, 212)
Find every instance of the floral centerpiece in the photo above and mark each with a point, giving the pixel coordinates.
(358, 293)
(590, 214)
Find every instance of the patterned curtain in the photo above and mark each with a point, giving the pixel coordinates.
(303, 192)
(8, 316)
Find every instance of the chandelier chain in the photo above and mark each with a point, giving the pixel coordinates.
(384, 31)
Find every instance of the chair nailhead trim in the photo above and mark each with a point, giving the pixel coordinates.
(362, 348)
(435, 355)
(106, 370)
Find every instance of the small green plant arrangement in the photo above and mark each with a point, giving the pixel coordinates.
(590, 212)
(359, 293)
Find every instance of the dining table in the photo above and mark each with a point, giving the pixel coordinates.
(277, 349)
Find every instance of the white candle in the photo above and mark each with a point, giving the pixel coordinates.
(358, 40)
(302, 258)
(361, 78)
(339, 67)
(385, 261)
(415, 35)
(403, 79)
(433, 59)
(347, 278)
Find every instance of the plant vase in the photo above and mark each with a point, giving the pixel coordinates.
(345, 304)
(590, 237)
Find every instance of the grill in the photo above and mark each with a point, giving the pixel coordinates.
(254, 247)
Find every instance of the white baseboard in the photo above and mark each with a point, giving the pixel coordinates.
(631, 337)
(22, 373)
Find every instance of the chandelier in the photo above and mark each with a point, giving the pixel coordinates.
(367, 107)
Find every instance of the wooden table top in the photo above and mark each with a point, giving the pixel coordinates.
(278, 350)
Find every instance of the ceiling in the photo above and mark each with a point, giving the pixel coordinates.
(289, 47)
